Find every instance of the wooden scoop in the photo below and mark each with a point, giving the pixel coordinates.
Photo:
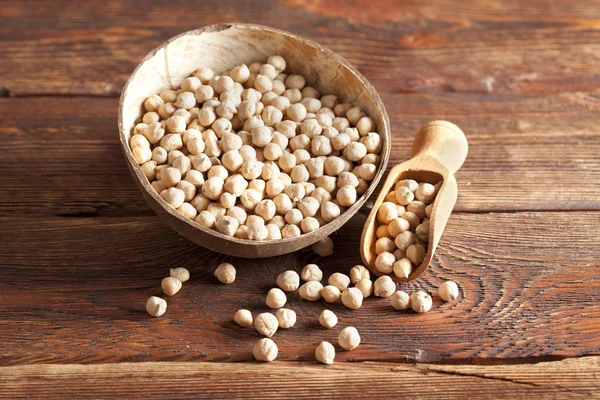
(439, 150)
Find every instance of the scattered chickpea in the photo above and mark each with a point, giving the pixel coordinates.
(385, 262)
(156, 306)
(331, 294)
(384, 286)
(328, 319)
(403, 268)
(266, 324)
(359, 272)
(243, 318)
(265, 350)
(276, 298)
(288, 281)
(349, 338)
(420, 301)
(311, 272)
(323, 247)
(400, 300)
(225, 273)
(448, 291)
(339, 280)
(365, 286)
(352, 298)
(170, 286)
(180, 273)
(286, 318)
(325, 353)
(311, 290)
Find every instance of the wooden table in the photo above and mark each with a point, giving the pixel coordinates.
(80, 252)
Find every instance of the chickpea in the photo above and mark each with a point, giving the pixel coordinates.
(170, 286)
(365, 286)
(384, 262)
(398, 226)
(331, 294)
(448, 291)
(155, 306)
(328, 319)
(400, 300)
(349, 338)
(346, 196)
(323, 247)
(352, 298)
(412, 219)
(290, 231)
(173, 196)
(422, 231)
(425, 193)
(311, 290)
(309, 224)
(206, 219)
(225, 273)
(384, 286)
(180, 273)
(359, 272)
(286, 318)
(415, 253)
(385, 244)
(296, 112)
(288, 281)
(243, 318)
(405, 239)
(276, 298)
(420, 301)
(403, 268)
(325, 353)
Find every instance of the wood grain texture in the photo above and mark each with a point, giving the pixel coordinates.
(74, 291)
(286, 380)
(62, 156)
(539, 46)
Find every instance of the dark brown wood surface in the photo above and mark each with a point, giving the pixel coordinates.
(80, 251)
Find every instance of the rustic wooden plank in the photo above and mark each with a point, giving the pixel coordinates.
(526, 153)
(286, 380)
(491, 46)
(74, 291)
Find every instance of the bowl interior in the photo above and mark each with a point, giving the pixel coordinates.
(221, 48)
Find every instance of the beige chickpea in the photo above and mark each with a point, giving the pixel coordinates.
(227, 200)
(263, 83)
(299, 174)
(325, 353)
(355, 151)
(185, 100)
(237, 213)
(400, 300)
(278, 62)
(302, 155)
(180, 273)
(287, 161)
(295, 82)
(221, 83)
(415, 253)
(321, 146)
(371, 158)
(266, 209)
(349, 338)
(384, 286)
(300, 142)
(155, 306)
(274, 187)
(183, 164)
(333, 165)
(398, 226)
(283, 204)
(323, 247)
(200, 202)
(149, 169)
(365, 125)
(206, 219)
(288, 281)
(331, 294)
(428, 210)
(359, 272)
(295, 191)
(249, 198)
(346, 196)
(139, 141)
(286, 318)
(235, 184)
(310, 128)
(339, 280)
(367, 172)
(384, 244)
(308, 206)
(448, 291)
(141, 154)
(404, 196)
(265, 350)
(165, 111)
(153, 102)
(294, 217)
(225, 273)
(384, 262)
(352, 298)
(321, 194)
(168, 95)
(213, 188)
(273, 232)
(227, 225)
(216, 209)
(257, 231)
(425, 193)
(365, 285)
(290, 231)
(272, 152)
(187, 210)
(382, 231)
(261, 136)
(271, 116)
(189, 190)
(328, 319)
(240, 74)
(422, 231)
(311, 272)
(403, 268)
(412, 218)
(399, 254)
(362, 187)
(342, 125)
(330, 211)
(170, 286)
(420, 301)
(266, 324)
(311, 290)
(405, 239)
(205, 74)
(243, 318)
(347, 178)
(173, 196)
(276, 298)
(159, 155)
(296, 112)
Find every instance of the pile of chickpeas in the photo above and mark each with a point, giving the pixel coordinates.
(254, 152)
(403, 227)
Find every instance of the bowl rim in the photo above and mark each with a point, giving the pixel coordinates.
(324, 230)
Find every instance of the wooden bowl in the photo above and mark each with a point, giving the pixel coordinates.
(222, 47)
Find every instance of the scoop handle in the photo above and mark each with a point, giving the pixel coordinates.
(443, 141)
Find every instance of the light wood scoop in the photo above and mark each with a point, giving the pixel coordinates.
(439, 150)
